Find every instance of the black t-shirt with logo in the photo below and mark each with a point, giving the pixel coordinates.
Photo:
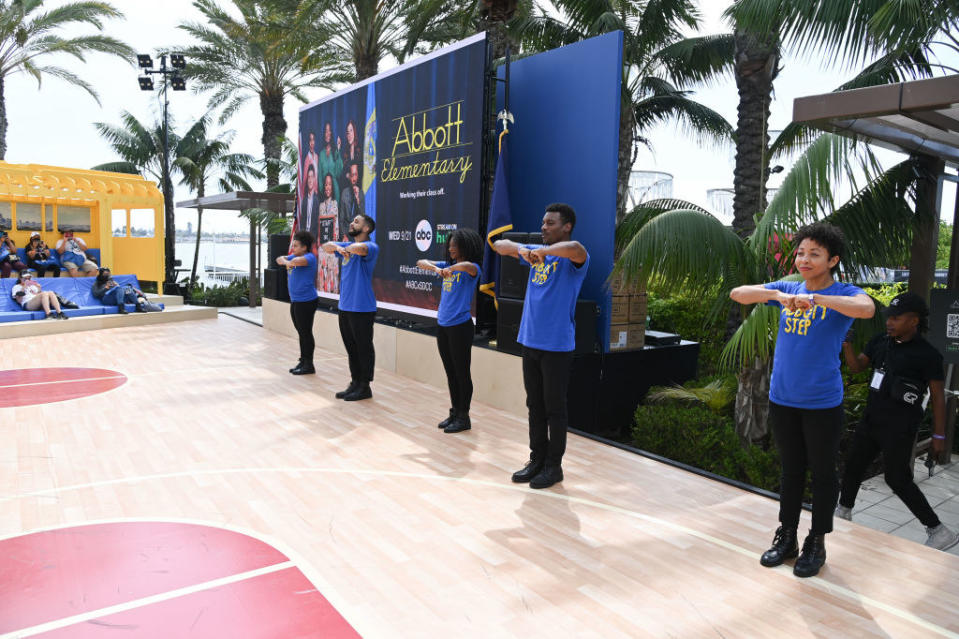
(915, 359)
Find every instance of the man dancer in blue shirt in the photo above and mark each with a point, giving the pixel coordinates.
(357, 304)
(547, 332)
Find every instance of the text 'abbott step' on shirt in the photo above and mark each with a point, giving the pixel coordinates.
(549, 309)
(457, 296)
(806, 363)
(356, 279)
(301, 280)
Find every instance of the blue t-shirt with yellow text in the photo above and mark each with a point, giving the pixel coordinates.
(456, 297)
(356, 279)
(301, 280)
(549, 310)
(806, 363)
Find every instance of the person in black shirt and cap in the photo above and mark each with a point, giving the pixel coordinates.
(904, 365)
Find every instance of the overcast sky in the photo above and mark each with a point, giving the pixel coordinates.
(54, 124)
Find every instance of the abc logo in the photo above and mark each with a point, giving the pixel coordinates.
(423, 235)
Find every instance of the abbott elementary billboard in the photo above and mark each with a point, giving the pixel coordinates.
(404, 147)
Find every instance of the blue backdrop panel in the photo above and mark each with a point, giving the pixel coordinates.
(564, 148)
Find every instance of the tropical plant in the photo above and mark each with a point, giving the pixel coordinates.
(657, 62)
(29, 35)
(267, 52)
(140, 148)
(201, 157)
(718, 395)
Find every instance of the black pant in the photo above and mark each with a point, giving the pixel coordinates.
(42, 269)
(302, 315)
(356, 330)
(456, 351)
(807, 439)
(895, 442)
(546, 377)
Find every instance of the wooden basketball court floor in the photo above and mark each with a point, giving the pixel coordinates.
(410, 532)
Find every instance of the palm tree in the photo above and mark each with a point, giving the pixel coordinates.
(200, 158)
(673, 245)
(267, 53)
(28, 36)
(140, 148)
(657, 62)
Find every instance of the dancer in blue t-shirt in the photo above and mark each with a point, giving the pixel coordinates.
(301, 281)
(805, 391)
(454, 336)
(547, 332)
(357, 304)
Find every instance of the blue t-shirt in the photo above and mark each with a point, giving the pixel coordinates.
(301, 280)
(806, 363)
(549, 310)
(356, 279)
(456, 298)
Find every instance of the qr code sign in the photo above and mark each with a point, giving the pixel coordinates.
(952, 326)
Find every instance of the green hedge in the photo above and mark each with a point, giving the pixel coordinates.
(687, 316)
(233, 294)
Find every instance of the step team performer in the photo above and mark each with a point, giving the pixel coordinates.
(300, 267)
(904, 365)
(547, 332)
(806, 389)
(357, 307)
(454, 335)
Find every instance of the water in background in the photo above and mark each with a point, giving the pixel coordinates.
(232, 255)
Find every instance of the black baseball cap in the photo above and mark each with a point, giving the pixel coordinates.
(908, 302)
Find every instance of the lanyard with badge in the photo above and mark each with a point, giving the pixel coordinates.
(901, 388)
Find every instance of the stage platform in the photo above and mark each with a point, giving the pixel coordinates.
(232, 499)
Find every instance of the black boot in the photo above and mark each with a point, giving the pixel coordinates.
(346, 391)
(298, 362)
(363, 391)
(449, 420)
(813, 556)
(530, 470)
(459, 424)
(121, 309)
(784, 547)
(305, 368)
(547, 477)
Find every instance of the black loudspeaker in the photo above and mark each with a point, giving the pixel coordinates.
(513, 275)
(511, 312)
(279, 245)
(274, 283)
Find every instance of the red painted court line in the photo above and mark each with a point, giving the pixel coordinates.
(57, 574)
(281, 604)
(48, 392)
(31, 375)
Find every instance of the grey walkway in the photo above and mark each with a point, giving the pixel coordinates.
(879, 509)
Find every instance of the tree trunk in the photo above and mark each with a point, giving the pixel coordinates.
(756, 66)
(627, 127)
(274, 129)
(922, 265)
(366, 65)
(752, 402)
(254, 282)
(196, 251)
(169, 240)
(3, 120)
(493, 19)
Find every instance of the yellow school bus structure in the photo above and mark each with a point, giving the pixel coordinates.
(118, 213)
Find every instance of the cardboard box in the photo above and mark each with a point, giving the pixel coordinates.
(637, 308)
(619, 310)
(626, 337)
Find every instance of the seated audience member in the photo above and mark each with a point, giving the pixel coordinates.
(9, 261)
(39, 258)
(73, 255)
(106, 289)
(28, 293)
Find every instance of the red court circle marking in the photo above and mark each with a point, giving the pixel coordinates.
(51, 576)
(33, 386)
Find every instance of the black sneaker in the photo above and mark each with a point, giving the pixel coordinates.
(784, 547)
(530, 470)
(813, 556)
(62, 315)
(304, 369)
(299, 363)
(547, 477)
(449, 420)
(362, 392)
(122, 310)
(349, 389)
(458, 425)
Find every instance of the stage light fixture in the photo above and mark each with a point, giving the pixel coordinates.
(145, 61)
(177, 83)
(177, 61)
(146, 83)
